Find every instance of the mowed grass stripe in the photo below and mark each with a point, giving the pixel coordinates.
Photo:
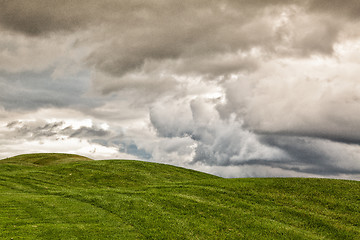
(58, 217)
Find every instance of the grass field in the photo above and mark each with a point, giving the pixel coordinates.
(61, 196)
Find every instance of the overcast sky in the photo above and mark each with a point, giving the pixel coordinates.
(236, 88)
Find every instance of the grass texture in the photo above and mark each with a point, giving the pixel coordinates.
(63, 196)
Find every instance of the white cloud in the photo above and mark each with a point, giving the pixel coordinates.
(316, 97)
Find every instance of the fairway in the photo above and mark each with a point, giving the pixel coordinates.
(61, 196)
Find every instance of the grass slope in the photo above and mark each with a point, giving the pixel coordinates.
(43, 159)
(121, 199)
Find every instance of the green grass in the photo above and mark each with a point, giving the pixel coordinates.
(57, 196)
(43, 159)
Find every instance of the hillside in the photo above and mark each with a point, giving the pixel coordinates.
(59, 196)
(43, 159)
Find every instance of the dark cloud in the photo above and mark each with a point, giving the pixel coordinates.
(34, 130)
(37, 130)
(210, 40)
(85, 132)
(193, 30)
(311, 155)
(13, 124)
(266, 84)
(189, 37)
(349, 8)
(135, 32)
(37, 17)
(227, 143)
(341, 137)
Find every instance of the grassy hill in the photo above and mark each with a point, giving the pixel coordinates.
(61, 196)
(43, 159)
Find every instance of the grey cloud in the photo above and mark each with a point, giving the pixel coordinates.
(179, 145)
(36, 130)
(233, 145)
(13, 124)
(139, 89)
(38, 17)
(197, 34)
(144, 54)
(297, 105)
(226, 142)
(85, 132)
(208, 39)
(349, 8)
(216, 65)
(218, 142)
(41, 131)
(318, 36)
(311, 155)
(176, 150)
(340, 137)
(159, 39)
(31, 91)
(133, 149)
(217, 27)
(176, 123)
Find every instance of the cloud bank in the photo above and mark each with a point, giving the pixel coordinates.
(235, 88)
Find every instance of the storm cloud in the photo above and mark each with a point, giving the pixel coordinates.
(235, 88)
(36, 130)
(219, 142)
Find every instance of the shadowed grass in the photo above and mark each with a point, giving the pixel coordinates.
(123, 199)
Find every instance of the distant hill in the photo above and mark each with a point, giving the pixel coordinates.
(73, 197)
(43, 159)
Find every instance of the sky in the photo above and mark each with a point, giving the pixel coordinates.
(235, 88)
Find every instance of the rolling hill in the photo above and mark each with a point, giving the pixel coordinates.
(63, 196)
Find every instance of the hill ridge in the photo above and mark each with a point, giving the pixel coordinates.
(44, 159)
